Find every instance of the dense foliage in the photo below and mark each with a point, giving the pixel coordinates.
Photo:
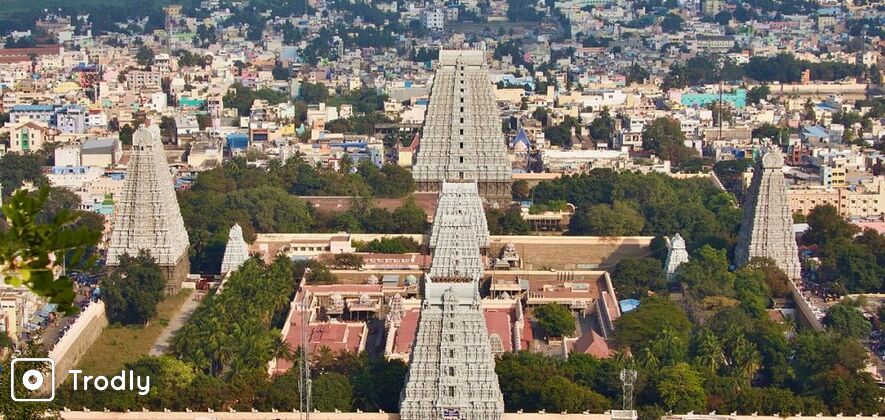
(388, 245)
(507, 222)
(695, 208)
(556, 320)
(665, 138)
(133, 289)
(346, 381)
(266, 200)
(232, 332)
(849, 263)
(29, 248)
(636, 277)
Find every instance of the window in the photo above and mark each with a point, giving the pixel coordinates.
(451, 391)
(460, 160)
(451, 352)
(462, 144)
(451, 371)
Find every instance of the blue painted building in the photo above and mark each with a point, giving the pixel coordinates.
(737, 98)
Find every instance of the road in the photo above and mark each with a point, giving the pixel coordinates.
(161, 346)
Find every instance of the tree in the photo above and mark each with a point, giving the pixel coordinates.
(601, 128)
(635, 277)
(559, 394)
(520, 190)
(230, 334)
(145, 56)
(706, 274)
(126, 133)
(332, 391)
(313, 93)
(848, 321)
(671, 23)
(133, 289)
(641, 325)
(507, 222)
(757, 94)
(777, 281)
(16, 169)
(387, 245)
(29, 249)
(619, 219)
(556, 320)
(752, 291)
(664, 137)
(637, 74)
(347, 261)
(825, 224)
(680, 389)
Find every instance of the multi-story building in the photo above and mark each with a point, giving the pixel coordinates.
(866, 200)
(27, 136)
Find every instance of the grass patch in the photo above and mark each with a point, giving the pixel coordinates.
(118, 344)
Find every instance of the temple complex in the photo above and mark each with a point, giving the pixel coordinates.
(676, 255)
(767, 225)
(147, 214)
(452, 368)
(236, 252)
(462, 138)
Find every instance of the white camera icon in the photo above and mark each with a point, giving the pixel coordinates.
(32, 379)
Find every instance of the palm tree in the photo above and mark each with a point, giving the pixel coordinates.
(746, 359)
(648, 360)
(708, 351)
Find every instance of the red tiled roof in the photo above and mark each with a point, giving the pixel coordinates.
(405, 334)
(498, 322)
(334, 336)
(594, 345)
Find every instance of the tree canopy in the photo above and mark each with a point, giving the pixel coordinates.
(133, 289)
(556, 320)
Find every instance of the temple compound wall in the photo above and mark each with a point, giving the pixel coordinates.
(74, 344)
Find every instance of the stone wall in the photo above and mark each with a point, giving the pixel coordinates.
(74, 344)
(573, 252)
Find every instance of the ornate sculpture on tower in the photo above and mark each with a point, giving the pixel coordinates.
(147, 214)
(767, 225)
(452, 370)
(462, 139)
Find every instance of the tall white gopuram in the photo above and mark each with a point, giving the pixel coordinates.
(452, 370)
(767, 225)
(676, 255)
(147, 216)
(462, 138)
(236, 252)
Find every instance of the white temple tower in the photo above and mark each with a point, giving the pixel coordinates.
(767, 225)
(452, 370)
(236, 252)
(676, 255)
(462, 139)
(147, 216)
